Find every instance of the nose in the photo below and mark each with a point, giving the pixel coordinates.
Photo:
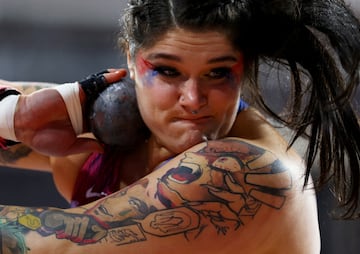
(192, 96)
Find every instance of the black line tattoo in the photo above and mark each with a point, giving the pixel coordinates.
(221, 187)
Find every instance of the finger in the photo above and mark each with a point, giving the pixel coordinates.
(112, 70)
(115, 75)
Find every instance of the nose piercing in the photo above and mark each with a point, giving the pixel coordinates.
(194, 112)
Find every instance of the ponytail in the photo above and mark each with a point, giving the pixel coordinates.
(321, 40)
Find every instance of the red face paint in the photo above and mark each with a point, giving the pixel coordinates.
(238, 69)
(146, 71)
(143, 66)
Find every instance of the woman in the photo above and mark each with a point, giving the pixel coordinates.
(207, 171)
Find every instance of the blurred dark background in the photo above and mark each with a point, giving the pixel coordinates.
(63, 41)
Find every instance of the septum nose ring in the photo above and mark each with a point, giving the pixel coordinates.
(194, 112)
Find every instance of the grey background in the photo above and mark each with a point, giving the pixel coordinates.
(62, 41)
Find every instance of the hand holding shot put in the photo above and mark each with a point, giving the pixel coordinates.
(52, 132)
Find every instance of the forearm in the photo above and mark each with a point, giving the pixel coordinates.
(49, 230)
(26, 87)
(13, 153)
(24, 230)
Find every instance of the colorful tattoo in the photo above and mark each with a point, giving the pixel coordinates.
(12, 230)
(220, 188)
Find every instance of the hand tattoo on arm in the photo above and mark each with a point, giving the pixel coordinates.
(220, 187)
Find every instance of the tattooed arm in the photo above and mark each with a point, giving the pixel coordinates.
(21, 156)
(228, 196)
(26, 87)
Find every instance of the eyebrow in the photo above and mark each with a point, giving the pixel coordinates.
(164, 56)
(223, 59)
(220, 59)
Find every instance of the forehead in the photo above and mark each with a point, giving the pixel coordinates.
(181, 41)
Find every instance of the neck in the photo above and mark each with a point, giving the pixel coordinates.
(156, 154)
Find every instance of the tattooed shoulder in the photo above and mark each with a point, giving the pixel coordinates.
(225, 171)
(217, 188)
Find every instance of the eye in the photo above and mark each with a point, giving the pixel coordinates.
(167, 71)
(219, 73)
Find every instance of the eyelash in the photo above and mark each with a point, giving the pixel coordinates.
(219, 73)
(166, 71)
(216, 73)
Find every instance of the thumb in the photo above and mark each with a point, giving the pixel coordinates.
(115, 75)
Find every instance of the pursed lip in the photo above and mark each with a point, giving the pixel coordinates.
(194, 119)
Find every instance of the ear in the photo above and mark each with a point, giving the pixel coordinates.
(131, 66)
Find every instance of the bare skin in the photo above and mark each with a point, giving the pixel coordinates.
(239, 192)
(236, 194)
(143, 201)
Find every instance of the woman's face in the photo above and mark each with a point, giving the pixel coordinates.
(188, 87)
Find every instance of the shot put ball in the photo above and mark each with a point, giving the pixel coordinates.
(115, 118)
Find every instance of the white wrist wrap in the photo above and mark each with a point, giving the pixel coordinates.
(70, 95)
(8, 107)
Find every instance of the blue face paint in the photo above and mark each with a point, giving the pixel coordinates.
(146, 70)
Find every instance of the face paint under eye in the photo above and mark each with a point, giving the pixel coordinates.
(146, 70)
(237, 71)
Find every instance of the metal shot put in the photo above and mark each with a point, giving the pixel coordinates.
(114, 117)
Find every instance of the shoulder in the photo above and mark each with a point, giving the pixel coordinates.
(245, 191)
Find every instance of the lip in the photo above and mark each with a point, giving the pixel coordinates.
(194, 119)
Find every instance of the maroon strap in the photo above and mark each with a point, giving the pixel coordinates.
(3, 144)
(98, 177)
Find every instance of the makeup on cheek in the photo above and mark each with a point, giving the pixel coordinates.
(145, 68)
(237, 72)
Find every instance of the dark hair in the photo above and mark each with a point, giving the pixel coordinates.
(318, 39)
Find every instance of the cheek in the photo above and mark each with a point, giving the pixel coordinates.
(225, 102)
(155, 102)
(148, 78)
(226, 94)
(160, 96)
